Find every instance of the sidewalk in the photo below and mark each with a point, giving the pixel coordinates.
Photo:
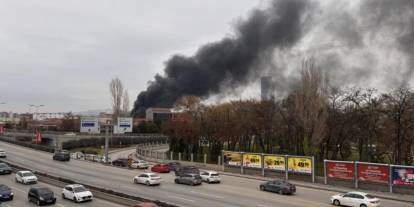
(318, 186)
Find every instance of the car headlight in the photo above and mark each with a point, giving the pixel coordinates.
(1, 196)
(41, 198)
(11, 193)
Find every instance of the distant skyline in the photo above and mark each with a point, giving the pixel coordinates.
(64, 54)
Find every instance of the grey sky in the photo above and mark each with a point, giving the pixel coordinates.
(64, 53)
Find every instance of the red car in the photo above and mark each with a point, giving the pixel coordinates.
(160, 168)
(145, 205)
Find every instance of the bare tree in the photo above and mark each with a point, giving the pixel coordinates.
(125, 103)
(311, 106)
(116, 89)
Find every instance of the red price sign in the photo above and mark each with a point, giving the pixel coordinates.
(340, 170)
(373, 173)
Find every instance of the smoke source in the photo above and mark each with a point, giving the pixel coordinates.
(366, 43)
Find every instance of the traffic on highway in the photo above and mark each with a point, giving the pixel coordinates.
(171, 182)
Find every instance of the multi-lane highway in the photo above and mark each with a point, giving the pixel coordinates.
(20, 195)
(233, 192)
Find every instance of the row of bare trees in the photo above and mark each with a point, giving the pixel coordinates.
(314, 119)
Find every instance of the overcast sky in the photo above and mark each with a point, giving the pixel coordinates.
(63, 54)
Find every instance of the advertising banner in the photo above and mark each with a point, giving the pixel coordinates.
(373, 173)
(232, 158)
(340, 170)
(252, 160)
(125, 124)
(300, 165)
(402, 176)
(89, 125)
(274, 162)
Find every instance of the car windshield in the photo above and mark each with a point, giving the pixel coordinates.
(3, 165)
(154, 176)
(369, 196)
(79, 189)
(214, 174)
(4, 188)
(27, 174)
(45, 191)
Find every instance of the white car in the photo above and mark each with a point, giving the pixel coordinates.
(357, 199)
(2, 153)
(77, 193)
(25, 177)
(210, 176)
(148, 179)
(139, 164)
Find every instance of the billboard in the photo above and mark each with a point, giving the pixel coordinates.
(274, 162)
(373, 173)
(402, 176)
(125, 124)
(340, 170)
(89, 125)
(232, 158)
(300, 165)
(252, 160)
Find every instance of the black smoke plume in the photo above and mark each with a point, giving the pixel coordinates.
(230, 61)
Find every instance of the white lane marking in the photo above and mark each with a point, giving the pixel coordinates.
(181, 198)
(207, 194)
(8, 206)
(61, 205)
(18, 189)
(262, 205)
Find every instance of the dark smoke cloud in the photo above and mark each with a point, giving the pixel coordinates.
(228, 61)
(366, 43)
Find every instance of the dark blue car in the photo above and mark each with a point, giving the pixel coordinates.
(5, 193)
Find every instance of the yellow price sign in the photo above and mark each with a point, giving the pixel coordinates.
(300, 164)
(252, 160)
(274, 162)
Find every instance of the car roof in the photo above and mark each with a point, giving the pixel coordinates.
(74, 185)
(210, 171)
(25, 171)
(357, 192)
(40, 188)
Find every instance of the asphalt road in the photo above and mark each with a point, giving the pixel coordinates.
(232, 192)
(20, 195)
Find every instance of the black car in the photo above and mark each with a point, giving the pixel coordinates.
(174, 166)
(5, 193)
(187, 170)
(189, 179)
(121, 162)
(61, 155)
(41, 195)
(5, 169)
(281, 187)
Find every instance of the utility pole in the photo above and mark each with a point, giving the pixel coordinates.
(108, 124)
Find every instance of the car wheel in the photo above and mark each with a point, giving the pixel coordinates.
(15, 180)
(208, 180)
(147, 183)
(363, 205)
(176, 181)
(336, 203)
(74, 199)
(280, 192)
(262, 188)
(38, 202)
(135, 181)
(63, 196)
